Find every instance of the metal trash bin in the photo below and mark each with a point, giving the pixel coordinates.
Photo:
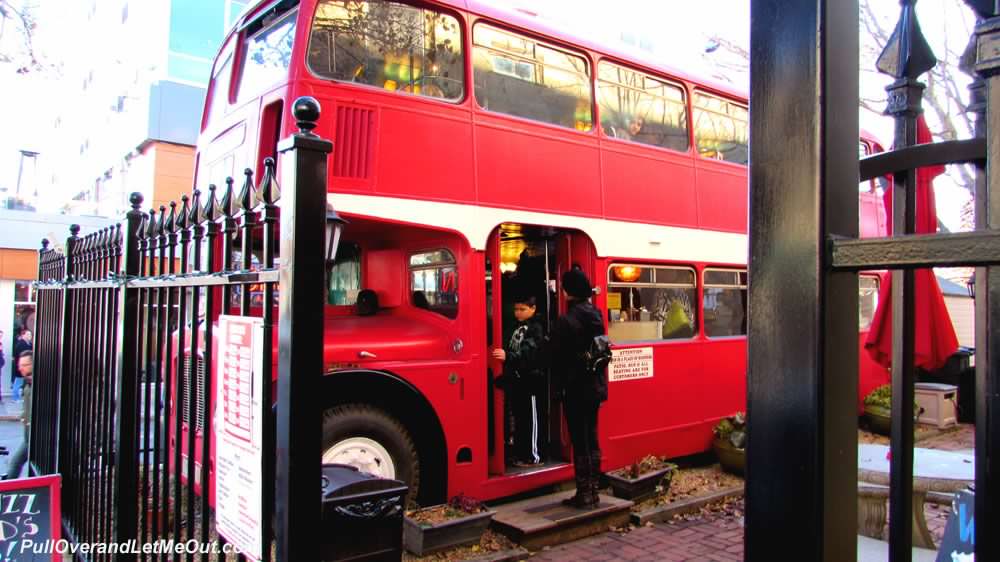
(362, 516)
(958, 372)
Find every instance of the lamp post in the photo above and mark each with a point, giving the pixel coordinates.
(334, 226)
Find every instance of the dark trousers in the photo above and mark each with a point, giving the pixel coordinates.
(529, 426)
(17, 460)
(581, 417)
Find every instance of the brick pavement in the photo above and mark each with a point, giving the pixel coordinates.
(717, 536)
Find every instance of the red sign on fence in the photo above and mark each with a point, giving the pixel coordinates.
(30, 519)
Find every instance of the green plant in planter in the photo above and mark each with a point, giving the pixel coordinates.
(733, 429)
(881, 397)
(878, 409)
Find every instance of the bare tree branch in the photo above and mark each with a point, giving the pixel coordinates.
(17, 29)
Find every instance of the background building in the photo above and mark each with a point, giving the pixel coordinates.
(140, 68)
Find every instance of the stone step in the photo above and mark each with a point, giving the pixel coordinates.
(544, 521)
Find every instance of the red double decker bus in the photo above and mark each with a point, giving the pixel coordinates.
(477, 148)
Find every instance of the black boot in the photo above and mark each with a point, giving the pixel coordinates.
(595, 475)
(584, 496)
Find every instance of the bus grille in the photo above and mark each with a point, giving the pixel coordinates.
(199, 394)
(353, 144)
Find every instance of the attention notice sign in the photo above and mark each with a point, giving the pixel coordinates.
(630, 364)
(29, 517)
(239, 432)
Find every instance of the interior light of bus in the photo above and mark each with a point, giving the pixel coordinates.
(627, 273)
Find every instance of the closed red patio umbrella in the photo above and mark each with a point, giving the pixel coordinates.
(935, 339)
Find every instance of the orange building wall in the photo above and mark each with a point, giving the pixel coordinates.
(173, 172)
(18, 264)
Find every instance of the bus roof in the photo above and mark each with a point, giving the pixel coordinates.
(528, 21)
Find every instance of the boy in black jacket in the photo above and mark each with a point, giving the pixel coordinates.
(525, 381)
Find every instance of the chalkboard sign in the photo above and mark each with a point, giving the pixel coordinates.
(958, 543)
(30, 519)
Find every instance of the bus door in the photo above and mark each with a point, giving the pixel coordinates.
(527, 261)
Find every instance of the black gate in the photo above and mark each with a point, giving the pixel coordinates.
(124, 356)
(804, 259)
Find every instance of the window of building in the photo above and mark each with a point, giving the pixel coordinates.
(434, 282)
(522, 77)
(651, 303)
(867, 300)
(725, 302)
(344, 275)
(267, 56)
(389, 45)
(635, 106)
(24, 307)
(721, 128)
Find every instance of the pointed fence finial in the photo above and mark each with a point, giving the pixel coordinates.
(211, 210)
(197, 216)
(151, 225)
(268, 192)
(906, 54)
(170, 226)
(183, 221)
(244, 203)
(74, 230)
(227, 205)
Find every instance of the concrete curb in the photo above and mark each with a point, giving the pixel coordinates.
(512, 555)
(666, 512)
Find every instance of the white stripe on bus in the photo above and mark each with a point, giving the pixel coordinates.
(612, 238)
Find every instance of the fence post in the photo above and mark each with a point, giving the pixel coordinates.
(300, 359)
(986, 102)
(66, 324)
(127, 347)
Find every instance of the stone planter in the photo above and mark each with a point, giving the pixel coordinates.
(424, 538)
(732, 459)
(644, 486)
(879, 419)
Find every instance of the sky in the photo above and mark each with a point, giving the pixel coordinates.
(678, 32)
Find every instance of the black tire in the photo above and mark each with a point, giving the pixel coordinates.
(363, 420)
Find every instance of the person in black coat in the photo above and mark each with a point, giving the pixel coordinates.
(582, 392)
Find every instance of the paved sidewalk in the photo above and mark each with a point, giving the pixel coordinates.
(718, 536)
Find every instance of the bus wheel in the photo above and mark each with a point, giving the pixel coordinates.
(371, 440)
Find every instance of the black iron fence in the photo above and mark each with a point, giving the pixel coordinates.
(805, 255)
(126, 345)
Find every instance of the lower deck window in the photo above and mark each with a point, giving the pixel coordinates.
(344, 276)
(434, 282)
(725, 302)
(651, 303)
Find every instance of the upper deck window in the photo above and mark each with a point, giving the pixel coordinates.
(267, 57)
(219, 87)
(720, 128)
(434, 282)
(637, 107)
(518, 76)
(389, 45)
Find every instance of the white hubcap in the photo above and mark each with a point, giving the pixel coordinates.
(364, 454)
